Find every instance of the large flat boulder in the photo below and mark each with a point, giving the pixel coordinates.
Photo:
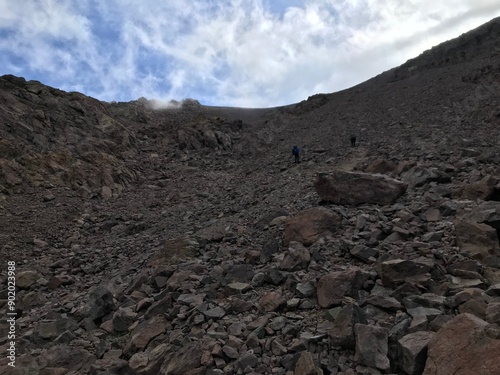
(353, 188)
(463, 347)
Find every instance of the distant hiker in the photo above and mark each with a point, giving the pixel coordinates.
(353, 140)
(296, 154)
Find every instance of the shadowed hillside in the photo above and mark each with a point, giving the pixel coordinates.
(185, 240)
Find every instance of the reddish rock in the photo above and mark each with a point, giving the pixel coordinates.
(144, 332)
(483, 189)
(332, 288)
(310, 225)
(272, 301)
(478, 240)
(381, 166)
(306, 366)
(463, 347)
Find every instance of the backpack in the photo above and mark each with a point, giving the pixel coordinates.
(295, 150)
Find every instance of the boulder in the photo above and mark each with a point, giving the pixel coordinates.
(372, 346)
(364, 253)
(76, 360)
(269, 248)
(478, 241)
(310, 225)
(382, 166)
(342, 332)
(482, 189)
(353, 188)
(487, 213)
(272, 301)
(413, 352)
(51, 329)
(123, 318)
(420, 175)
(296, 258)
(463, 347)
(99, 304)
(25, 279)
(139, 362)
(332, 288)
(180, 361)
(305, 365)
(396, 271)
(240, 273)
(144, 332)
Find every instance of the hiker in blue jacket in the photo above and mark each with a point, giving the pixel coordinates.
(296, 154)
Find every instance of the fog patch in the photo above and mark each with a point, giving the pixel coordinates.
(172, 104)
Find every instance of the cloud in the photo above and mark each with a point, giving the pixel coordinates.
(251, 53)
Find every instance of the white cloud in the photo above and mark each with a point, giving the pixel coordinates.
(223, 52)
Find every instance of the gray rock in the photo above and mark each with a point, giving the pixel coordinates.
(274, 277)
(123, 319)
(230, 352)
(494, 290)
(50, 329)
(342, 332)
(144, 332)
(215, 313)
(332, 288)
(306, 289)
(240, 273)
(269, 248)
(25, 279)
(236, 329)
(277, 323)
(413, 352)
(191, 299)
(372, 346)
(237, 288)
(99, 304)
(478, 241)
(297, 257)
(386, 303)
(396, 271)
(182, 360)
(247, 360)
(364, 253)
(428, 312)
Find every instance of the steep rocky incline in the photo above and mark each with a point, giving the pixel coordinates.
(184, 240)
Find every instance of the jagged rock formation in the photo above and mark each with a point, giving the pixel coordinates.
(185, 240)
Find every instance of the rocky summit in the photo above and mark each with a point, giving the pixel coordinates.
(174, 238)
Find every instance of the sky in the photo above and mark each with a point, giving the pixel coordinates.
(239, 53)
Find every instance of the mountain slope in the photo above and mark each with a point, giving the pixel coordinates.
(184, 240)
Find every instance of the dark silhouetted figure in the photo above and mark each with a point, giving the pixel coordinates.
(353, 140)
(296, 154)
